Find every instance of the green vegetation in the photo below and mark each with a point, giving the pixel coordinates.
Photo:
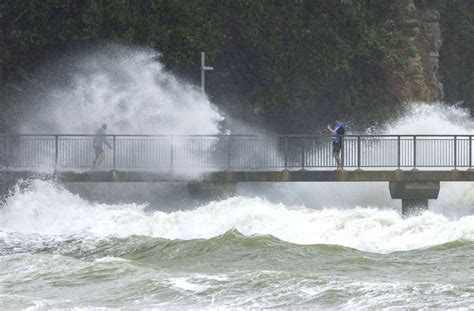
(34, 29)
(294, 61)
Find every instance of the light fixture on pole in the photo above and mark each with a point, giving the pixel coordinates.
(203, 71)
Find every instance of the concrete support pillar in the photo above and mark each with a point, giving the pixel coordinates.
(414, 195)
(207, 191)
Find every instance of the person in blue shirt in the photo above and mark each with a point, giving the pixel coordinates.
(337, 135)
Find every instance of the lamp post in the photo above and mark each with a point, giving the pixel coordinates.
(203, 71)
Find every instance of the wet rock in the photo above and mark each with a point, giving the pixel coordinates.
(419, 21)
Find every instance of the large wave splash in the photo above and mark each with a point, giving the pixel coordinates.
(48, 210)
(126, 87)
(419, 118)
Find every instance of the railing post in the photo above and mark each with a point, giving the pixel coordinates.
(455, 152)
(56, 151)
(399, 152)
(114, 146)
(342, 152)
(286, 152)
(358, 153)
(229, 145)
(414, 152)
(302, 153)
(171, 154)
(470, 152)
(7, 159)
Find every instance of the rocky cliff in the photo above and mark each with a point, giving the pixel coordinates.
(420, 22)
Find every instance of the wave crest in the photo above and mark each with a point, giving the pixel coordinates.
(49, 210)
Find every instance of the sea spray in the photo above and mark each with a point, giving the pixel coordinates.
(455, 198)
(129, 89)
(126, 87)
(430, 119)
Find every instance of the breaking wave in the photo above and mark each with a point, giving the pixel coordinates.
(126, 87)
(47, 209)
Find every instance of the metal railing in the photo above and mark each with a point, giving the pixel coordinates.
(237, 152)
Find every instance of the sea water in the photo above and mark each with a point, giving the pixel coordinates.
(58, 250)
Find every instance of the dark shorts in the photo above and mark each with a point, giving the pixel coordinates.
(336, 146)
(98, 150)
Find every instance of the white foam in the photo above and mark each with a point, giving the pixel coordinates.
(185, 283)
(47, 209)
(402, 295)
(108, 259)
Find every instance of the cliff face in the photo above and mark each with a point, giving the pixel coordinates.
(419, 21)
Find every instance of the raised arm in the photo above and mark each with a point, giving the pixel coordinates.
(331, 130)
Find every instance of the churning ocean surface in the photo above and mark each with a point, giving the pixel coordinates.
(61, 251)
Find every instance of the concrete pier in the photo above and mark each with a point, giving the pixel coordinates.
(414, 195)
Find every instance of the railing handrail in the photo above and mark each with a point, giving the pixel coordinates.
(239, 150)
(240, 135)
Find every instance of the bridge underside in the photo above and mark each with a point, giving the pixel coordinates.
(414, 188)
(251, 176)
(266, 176)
